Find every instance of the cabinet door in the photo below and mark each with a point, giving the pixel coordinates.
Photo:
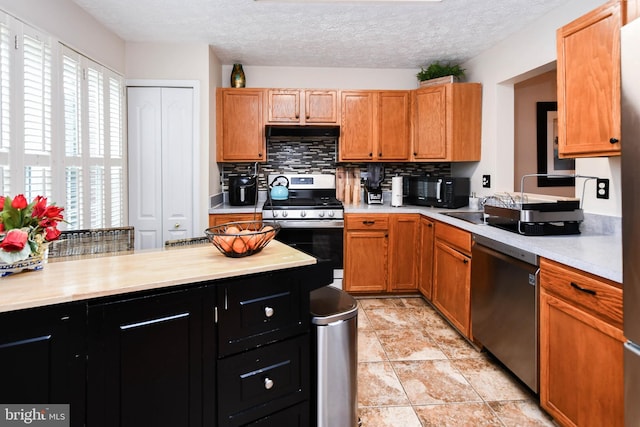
(425, 263)
(589, 114)
(357, 127)
(42, 357)
(429, 123)
(283, 106)
(403, 252)
(452, 285)
(240, 125)
(393, 125)
(146, 361)
(321, 106)
(217, 219)
(581, 366)
(365, 266)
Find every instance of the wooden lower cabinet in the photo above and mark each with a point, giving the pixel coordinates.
(425, 262)
(404, 252)
(581, 347)
(217, 219)
(452, 275)
(381, 253)
(366, 253)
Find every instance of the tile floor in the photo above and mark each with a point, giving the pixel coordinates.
(415, 370)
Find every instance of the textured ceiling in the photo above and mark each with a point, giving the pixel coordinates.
(314, 34)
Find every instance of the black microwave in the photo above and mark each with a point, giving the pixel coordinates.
(440, 192)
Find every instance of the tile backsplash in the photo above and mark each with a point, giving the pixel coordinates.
(319, 157)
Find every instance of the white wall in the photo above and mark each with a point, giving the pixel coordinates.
(165, 62)
(66, 21)
(531, 51)
(320, 78)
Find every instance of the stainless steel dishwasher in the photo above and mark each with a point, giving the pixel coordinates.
(504, 305)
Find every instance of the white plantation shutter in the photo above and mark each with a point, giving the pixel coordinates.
(93, 143)
(78, 163)
(5, 104)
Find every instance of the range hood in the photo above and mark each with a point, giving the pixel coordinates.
(277, 133)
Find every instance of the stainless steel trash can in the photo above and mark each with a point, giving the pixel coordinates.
(334, 317)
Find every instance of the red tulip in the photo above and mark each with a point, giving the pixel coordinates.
(39, 207)
(14, 240)
(19, 202)
(2, 203)
(51, 233)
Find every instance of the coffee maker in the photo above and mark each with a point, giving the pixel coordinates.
(373, 184)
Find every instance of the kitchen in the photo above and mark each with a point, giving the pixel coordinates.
(498, 69)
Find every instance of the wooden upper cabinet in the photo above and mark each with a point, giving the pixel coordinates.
(357, 129)
(394, 124)
(375, 126)
(302, 106)
(240, 125)
(589, 83)
(447, 122)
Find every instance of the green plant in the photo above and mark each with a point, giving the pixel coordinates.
(439, 69)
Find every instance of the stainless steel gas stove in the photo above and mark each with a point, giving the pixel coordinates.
(311, 218)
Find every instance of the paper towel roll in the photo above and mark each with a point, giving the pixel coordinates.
(396, 191)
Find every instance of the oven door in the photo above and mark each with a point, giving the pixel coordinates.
(321, 239)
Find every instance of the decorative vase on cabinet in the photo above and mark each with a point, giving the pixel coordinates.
(237, 76)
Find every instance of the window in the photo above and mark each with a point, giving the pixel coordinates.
(61, 132)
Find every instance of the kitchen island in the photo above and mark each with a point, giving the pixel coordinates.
(183, 337)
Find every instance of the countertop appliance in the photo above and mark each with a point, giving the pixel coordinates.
(504, 309)
(312, 218)
(243, 190)
(533, 214)
(630, 63)
(441, 192)
(373, 184)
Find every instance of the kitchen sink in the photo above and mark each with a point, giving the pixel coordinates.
(474, 217)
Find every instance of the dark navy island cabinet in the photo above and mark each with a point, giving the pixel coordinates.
(231, 352)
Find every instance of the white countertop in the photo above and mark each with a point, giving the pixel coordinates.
(597, 250)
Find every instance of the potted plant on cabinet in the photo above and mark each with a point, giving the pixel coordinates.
(440, 72)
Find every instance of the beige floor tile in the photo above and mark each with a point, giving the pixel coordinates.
(414, 302)
(452, 343)
(369, 347)
(521, 414)
(393, 318)
(389, 416)
(369, 303)
(434, 381)
(457, 415)
(363, 319)
(409, 344)
(378, 385)
(490, 380)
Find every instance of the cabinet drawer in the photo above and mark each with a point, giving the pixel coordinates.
(253, 311)
(366, 222)
(455, 237)
(598, 296)
(295, 416)
(263, 381)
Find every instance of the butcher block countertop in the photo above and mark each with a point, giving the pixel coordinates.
(76, 280)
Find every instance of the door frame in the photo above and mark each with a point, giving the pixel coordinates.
(195, 86)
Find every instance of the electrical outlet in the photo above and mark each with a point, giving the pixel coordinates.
(486, 181)
(602, 188)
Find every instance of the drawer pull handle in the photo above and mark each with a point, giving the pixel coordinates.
(581, 289)
(268, 383)
(368, 222)
(269, 311)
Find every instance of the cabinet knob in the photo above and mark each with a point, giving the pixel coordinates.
(259, 154)
(379, 154)
(415, 154)
(614, 140)
(370, 154)
(176, 225)
(268, 383)
(269, 311)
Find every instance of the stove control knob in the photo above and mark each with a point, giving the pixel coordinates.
(331, 214)
(303, 214)
(321, 214)
(285, 214)
(274, 213)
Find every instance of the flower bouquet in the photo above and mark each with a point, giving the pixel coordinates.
(25, 230)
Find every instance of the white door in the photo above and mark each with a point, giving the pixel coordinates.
(161, 173)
